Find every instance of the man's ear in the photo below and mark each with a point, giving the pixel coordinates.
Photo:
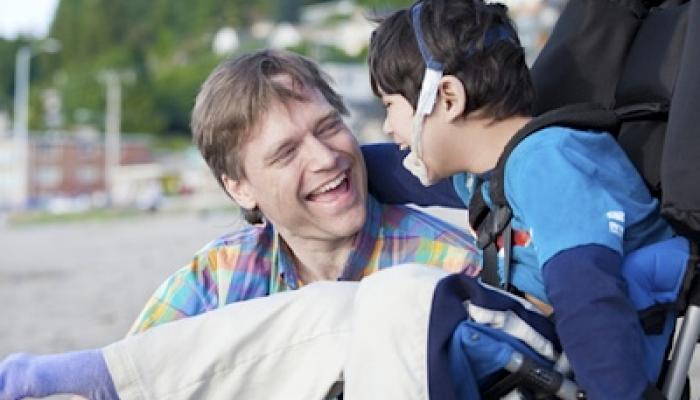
(452, 97)
(240, 191)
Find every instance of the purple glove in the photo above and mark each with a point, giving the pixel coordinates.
(83, 373)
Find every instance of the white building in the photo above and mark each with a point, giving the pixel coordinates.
(9, 178)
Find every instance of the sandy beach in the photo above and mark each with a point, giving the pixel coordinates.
(81, 284)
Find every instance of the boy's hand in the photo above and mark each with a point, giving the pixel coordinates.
(84, 373)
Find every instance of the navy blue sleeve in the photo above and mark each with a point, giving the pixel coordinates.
(596, 322)
(389, 182)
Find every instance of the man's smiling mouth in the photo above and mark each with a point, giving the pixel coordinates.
(337, 185)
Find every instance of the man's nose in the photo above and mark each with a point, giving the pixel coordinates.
(321, 155)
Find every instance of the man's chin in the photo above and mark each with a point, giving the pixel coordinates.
(347, 223)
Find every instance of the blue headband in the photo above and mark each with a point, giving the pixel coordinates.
(495, 34)
(430, 61)
(499, 33)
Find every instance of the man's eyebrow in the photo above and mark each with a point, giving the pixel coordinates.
(279, 149)
(330, 117)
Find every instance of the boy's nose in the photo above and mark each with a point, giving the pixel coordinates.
(386, 128)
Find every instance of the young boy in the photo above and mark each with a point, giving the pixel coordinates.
(453, 79)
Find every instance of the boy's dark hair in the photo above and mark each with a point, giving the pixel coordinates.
(236, 97)
(495, 76)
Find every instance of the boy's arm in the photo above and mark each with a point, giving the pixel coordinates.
(390, 183)
(577, 208)
(597, 324)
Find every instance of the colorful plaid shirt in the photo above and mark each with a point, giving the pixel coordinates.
(251, 262)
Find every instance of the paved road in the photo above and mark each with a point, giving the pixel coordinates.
(80, 285)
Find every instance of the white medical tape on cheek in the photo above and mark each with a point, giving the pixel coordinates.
(426, 101)
(428, 91)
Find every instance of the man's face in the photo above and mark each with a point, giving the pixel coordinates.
(304, 170)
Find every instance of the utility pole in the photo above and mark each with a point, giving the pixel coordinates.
(20, 124)
(113, 80)
(113, 106)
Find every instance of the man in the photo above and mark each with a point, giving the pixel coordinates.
(270, 128)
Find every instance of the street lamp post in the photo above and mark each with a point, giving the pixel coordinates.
(20, 124)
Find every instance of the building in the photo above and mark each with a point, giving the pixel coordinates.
(64, 166)
(9, 182)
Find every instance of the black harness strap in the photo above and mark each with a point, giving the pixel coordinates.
(507, 253)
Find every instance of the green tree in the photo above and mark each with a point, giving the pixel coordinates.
(8, 50)
(165, 44)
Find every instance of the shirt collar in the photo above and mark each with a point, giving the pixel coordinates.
(364, 243)
(284, 275)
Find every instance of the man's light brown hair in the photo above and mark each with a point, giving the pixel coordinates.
(235, 98)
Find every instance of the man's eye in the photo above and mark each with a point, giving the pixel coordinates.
(332, 129)
(285, 155)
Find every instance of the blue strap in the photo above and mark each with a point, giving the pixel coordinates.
(496, 34)
(430, 61)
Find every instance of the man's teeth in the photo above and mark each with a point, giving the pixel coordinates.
(331, 185)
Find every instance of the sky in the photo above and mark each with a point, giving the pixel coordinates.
(26, 17)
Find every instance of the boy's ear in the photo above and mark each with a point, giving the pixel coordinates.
(240, 191)
(452, 96)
